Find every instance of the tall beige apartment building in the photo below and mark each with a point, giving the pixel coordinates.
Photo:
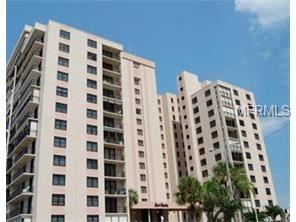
(85, 124)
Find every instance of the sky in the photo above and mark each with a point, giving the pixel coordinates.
(243, 42)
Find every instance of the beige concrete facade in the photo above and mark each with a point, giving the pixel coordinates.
(85, 124)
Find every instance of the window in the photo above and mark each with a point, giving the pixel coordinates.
(62, 91)
(258, 146)
(64, 47)
(92, 164)
(201, 151)
(58, 200)
(207, 93)
(91, 146)
(248, 97)
(138, 101)
(263, 168)
(62, 76)
(198, 130)
(211, 113)
(237, 102)
(91, 113)
(140, 132)
(91, 69)
(91, 98)
(214, 134)
(196, 110)
(60, 124)
(253, 179)
(241, 122)
(141, 154)
(92, 201)
(250, 167)
(92, 182)
(244, 133)
(200, 140)
(197, 120)
(256, 136)
(248, 155)
(58, 180)
(92, 130)
(138, 111)
(235, 92)
(92, 43)
(203, 162)
(59, 160)
(57, 218)
(194, 100)
(63, 62)
(59, 142)
(268, 192)
(246, 144)
(91, 84)
(254, 126)
(257, 203)
(139, 121)
(64, 34)
(216, 145)
(265, 179)
(92, 218)
(137, 91)
(91, 56)
(137, 81)
(212, 123)
(255, 189)
(142, 166)
(261, 158)
(61, 108)
(142, 177)
(205, 173)
(209, 103)
(143, 189)
(218, 157)
(140, 143)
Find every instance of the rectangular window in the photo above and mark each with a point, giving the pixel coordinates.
(92, 218)
(142, 177)
(209, 103)
(58, 180)
(64, 34)
(91, 69)
(57, 218)
(142, 166)
(92, 182)
(91, 98)
(60, 142)
(207, 92)
(218, 157)
(58, 200)
(62, 76)
(92, 130)
(143, 189)
(200, 140)
(92, 201)
(196, 110)
(194, 100)
(92, 43)
(93, 114)
(60, 124)
(64, 48)
(91, 84)
(92, 146)
(63, 62)
(205, 173)
(211, 113)
(92, 164)
(61, 108)
(91, 56)
(59, 160)
(140, 143)
(62, 91)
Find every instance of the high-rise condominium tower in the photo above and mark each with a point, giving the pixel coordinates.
(85, 125)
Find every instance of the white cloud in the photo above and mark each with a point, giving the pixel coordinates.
(272, 124)
(269, 13)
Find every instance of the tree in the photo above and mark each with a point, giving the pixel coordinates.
(274, 211)
(133, 197)
(189, 191)
(251, 216)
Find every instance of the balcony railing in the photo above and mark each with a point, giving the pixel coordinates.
(26, 131)
(114, 157)
(112, 82)
(119, 174)
(18, 192)
(113, 140)
(118, 97)
(21, 154)
(20, 172)
(112, 125)
(118, 191)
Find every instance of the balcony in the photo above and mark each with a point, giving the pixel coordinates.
(113, 157)
(111, 124)
(21, 158)
(115, 205)
(109, 83)
(18, 212)
(20, 176)
(19, 194)
(114, 172)
(115, 192)
(113, 139)
(26, 134)
(235, 145)
(112, 110)
(111, 55)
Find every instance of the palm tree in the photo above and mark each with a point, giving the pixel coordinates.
(274, 211)
(211, 193)
(251, 216)
(228, 207)
(133, 197)
(189, 191)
